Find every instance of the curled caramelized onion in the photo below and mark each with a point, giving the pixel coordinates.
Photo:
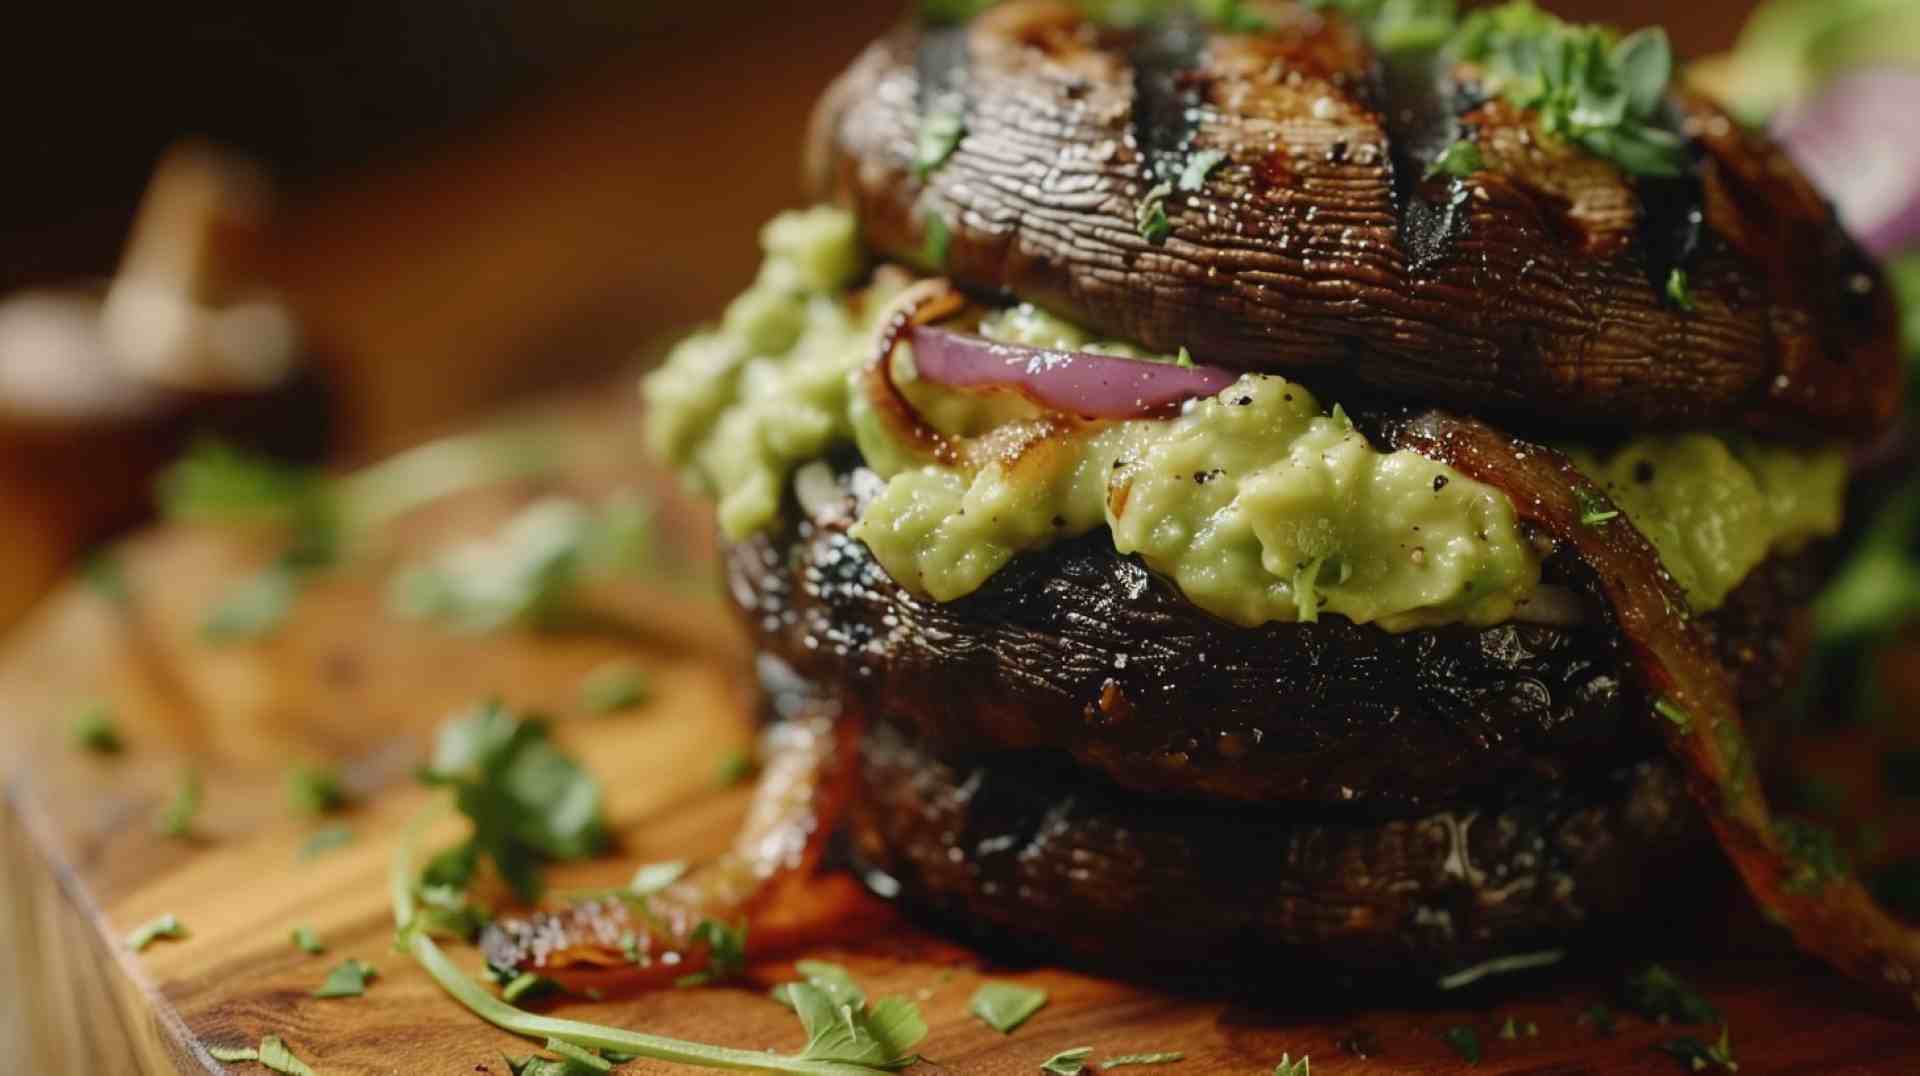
(1080, 383)
(1830, 914)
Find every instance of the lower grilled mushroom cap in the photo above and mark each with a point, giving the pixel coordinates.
(1038, 858)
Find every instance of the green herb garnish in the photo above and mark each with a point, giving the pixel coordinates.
(941, 130)
(1816, 856)
(1584, 83)
(613, 687)
(101, 572)
(275, 1055)
(1166, 1057)
(305, 940)
(348, 979)
(176, 818)
(726, 952)
(1600, 1018)
(165, 926)
(1289, 1067)
(937, 241)
(1671, 710)
(1677, 291)
(255, 608)
(1067, 1062)
(325, 840)
(527, 801)
(1150, 218)
(526, 574)
(1699, 1056)
(1465, 1042)
(735, 768)
(1199, 166)
(1460, 159)
(1184, 359)
(831, 979)
(1004, 1006)
(1595, 509)
(94, 729)
(315, 790)
(1658, 994)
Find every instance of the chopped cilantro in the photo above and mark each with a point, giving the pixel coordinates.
(1289, 1067)
(1677, 291)
(94, 729)
(1199, 166)
(527, 801)
(176, 818)
(525, 984)
(726, 952)
(1595, 509)
(879, 1037)
(255, 608)
(1699, 1056)
(735, 767)
(1165, 1057)
(215, 482)
(1067, 1062)
(446, 912)
(1658, 994)
(613, 687)
(526, 574)
(830, 979)
(275, 1055)
(1150, 218)
(937, 242)
(234, 1054)
(314, 789)
(1184, 359)
(1460, 159)
(1671, 710)
(1465, 1042)
(325, 840)
(1816, 857)
(348, 979)
(1004, 1006)
(1604, 92)
(305, 940)
(941, 130)
(1509, 1030)
(164, 926)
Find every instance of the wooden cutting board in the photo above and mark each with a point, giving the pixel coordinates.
(347, 682)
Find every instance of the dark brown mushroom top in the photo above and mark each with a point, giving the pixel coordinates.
(1534, 288)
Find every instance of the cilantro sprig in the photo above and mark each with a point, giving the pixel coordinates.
(528, 801)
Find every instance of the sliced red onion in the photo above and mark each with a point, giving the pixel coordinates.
(1859, 138)
(1075, 382)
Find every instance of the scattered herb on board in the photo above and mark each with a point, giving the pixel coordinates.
(877, 1039)
(941, 130)
(614, 687)
(1460, 159)
(101, 573)
(526, 574)
(176, 818)
(1199, 166)
(1699, 1056)
(1150, 218)
(1671, 710)
(1289, 1067)
(1465, 1042)
(735, 767)
(1067, 1062)
(315, 789)
(1678, 293)
(165, 926)
(527, 801)
(94, 729)
(1005, 1006)
(830, 979)
(305, 940)
(325, 840)
(348, 979)
(1167, 1057)
(1658, 994)
(726, 952)
(271, 1053)
(255, 608)
(1184, 359)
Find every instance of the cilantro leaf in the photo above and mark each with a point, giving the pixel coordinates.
(324, 841)
(1699, 1056)
(1658, 994)
(275, 1055)
(735, 768)
(1289, 1067)
(1672, 711)
(527, 801)
(613, 687)
(176, 818)
(1465, 1042)
(1595, 509)
(1460, 159)
(348, 979)
(1678, 293)
(164, 926)
(305, 940)
(726, 952)
(1816, 856)
(881, 1037)
(94, 729)
(831, 979)
(526, 574)
(1150, 217)
(255, 608)
(1067, 1062)
(315, 789)
(937, 242)
(1005, 1006)
(941, 130)
(1167, 1057)
(234, 1054)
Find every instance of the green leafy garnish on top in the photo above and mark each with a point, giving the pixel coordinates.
(528, 802)
(348, 979)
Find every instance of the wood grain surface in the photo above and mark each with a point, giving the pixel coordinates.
(348, 683)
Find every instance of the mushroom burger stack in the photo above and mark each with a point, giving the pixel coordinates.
(1335, 483)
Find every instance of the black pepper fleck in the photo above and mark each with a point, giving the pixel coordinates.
(1439, 482)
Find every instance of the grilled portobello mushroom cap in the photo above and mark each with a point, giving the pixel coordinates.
(1078, 650)
(1321, 247)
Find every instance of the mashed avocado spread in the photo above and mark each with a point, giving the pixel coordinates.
(1259, 503)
